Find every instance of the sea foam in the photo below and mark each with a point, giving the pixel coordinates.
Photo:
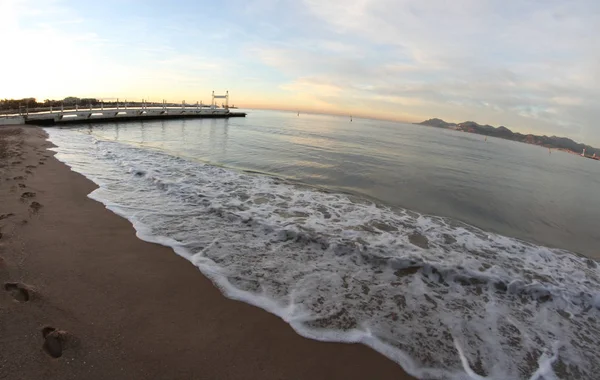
(443, 299)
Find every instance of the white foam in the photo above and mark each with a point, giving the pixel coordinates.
(443, 299)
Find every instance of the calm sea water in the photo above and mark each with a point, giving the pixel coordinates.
(501, 186)
(454, 256)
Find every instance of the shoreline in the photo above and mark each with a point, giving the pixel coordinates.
(460, 127)
(124, 308)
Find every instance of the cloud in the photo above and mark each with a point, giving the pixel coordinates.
(532, 65)
(315, 86)
(67, 54)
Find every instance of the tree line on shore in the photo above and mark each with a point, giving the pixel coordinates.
(71, 101)
(21, 105)
(16, 104)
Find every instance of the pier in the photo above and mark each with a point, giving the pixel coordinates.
(120, 112)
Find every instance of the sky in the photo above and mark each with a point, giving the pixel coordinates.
(532, 66)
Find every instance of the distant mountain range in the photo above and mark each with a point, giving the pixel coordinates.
(553, 142)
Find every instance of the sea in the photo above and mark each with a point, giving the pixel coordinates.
(455, 256)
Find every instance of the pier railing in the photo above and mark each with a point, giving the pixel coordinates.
(119, 112)
(100, 106)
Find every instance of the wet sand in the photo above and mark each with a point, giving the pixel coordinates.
(83, 298)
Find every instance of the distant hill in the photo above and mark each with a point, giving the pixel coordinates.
(502, 132)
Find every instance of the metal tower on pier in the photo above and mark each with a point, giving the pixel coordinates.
(226, 97)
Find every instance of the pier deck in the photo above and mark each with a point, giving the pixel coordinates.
(104, 115)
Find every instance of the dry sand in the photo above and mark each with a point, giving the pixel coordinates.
(83, 298)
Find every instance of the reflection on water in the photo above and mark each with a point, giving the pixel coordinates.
(502, 186)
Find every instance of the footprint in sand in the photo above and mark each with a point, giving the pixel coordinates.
(18, 291)
(4, 216)
(28, 171)
(31, 166)
(18, 177)
(55, 341)
(35, 206)
(22, 185)
(27, 194)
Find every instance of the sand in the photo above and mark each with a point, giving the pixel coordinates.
(83, 298)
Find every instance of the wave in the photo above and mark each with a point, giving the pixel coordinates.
(443, 299)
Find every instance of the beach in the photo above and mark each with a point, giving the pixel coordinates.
(84, 298)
